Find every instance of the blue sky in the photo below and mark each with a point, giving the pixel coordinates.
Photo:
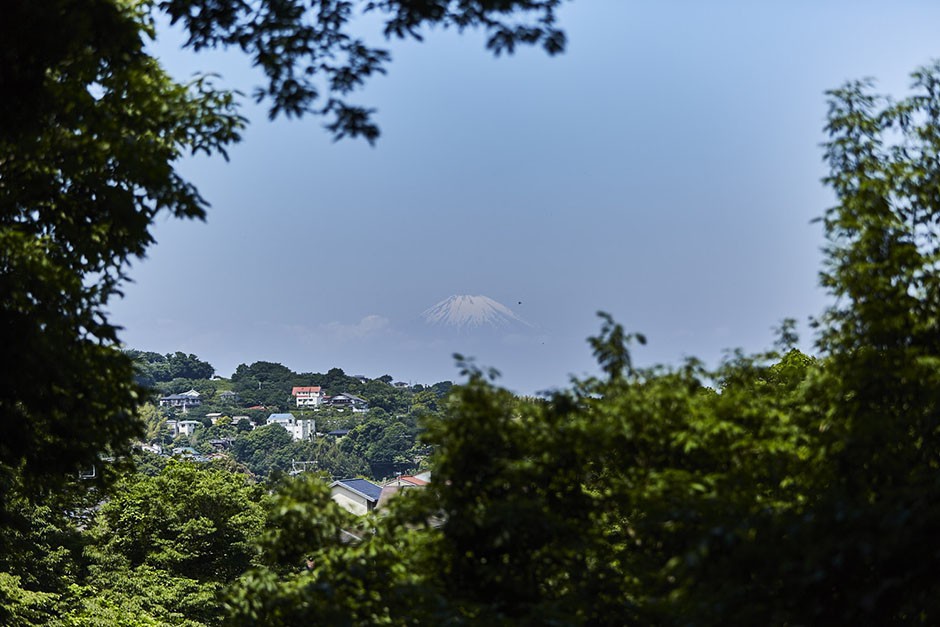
(665, 168)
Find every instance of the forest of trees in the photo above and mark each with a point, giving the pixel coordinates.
(779, 488)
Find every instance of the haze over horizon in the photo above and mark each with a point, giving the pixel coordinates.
(665, 168)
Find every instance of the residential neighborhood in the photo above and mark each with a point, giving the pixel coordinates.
(341, 425)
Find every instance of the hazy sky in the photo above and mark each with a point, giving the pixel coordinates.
(665, 168)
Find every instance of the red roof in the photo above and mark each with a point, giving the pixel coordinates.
(308, 390)
(409, 479)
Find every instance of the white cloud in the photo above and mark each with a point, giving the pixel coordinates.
(369, 326)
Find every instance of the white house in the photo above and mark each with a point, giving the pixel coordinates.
(307, 396)
(298, 429)
(357, 496)
(182, 427)
(184, 401)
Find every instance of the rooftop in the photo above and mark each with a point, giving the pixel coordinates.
(362, 486)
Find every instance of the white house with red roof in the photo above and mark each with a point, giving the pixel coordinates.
(307, 396)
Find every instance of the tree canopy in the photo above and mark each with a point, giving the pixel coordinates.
(153, 368)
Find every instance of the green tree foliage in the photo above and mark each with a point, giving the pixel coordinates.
(313, 60)
(190, 521)
(263, 450)
(385, 443)
(87, 150)
(42, 561)
(883, 339)
(599, 505)
(153, 420)
(334, 461)
(270, 384)
(153, 368)
(263, 383)
(21, 607)
(271, 450)
(167, 543)
(323, 566)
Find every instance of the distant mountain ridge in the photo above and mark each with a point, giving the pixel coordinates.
(468, 312)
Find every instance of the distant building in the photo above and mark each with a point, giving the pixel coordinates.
(344, 400)
(228, 397)
(358, 496)
(298, 429)
(182, 427)
(190, 454)
(397, 485)
(156, 449)
(220, 444)
(182, 401)
(309, 396)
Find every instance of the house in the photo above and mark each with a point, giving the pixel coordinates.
(221, 444)
(397, 485)
(344, 400)
(298, 429)
(228, 397)
(190, 454)
(214, 417)
(183, 427)
(408, 481)
(156, 449)
(182, 401)
(309, 396)
(358, 496)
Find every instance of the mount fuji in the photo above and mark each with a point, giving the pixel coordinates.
(470, 312)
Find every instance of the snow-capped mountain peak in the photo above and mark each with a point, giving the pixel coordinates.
(471, 311)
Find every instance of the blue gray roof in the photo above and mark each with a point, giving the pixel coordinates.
(363, 487)
(181, 397)
(281, 417)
